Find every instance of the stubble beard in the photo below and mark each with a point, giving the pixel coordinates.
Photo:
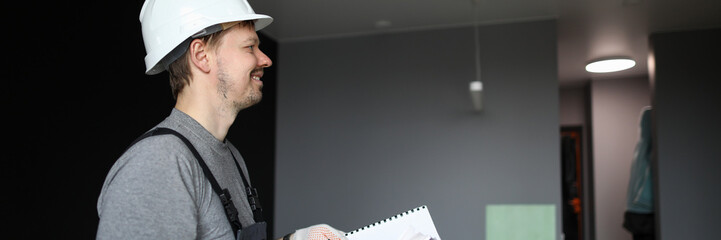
(251, 97)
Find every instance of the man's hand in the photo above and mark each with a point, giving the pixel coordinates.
(318, 232)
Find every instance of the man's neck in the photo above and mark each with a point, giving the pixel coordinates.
(210, 114)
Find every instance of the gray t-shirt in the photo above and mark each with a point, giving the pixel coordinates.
(157, 189)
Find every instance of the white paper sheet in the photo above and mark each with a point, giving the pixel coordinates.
(414, 222)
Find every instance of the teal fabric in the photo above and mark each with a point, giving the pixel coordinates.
(640, 192)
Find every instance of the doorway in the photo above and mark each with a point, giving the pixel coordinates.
(572, 182)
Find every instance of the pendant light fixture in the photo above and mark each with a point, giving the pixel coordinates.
(610, 65)
(476, 86)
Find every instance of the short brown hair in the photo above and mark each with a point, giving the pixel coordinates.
(179, 70)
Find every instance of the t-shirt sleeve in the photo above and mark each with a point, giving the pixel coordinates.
(150, 194)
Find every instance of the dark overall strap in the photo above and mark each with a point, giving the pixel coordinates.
(251, 192)
(230, 211)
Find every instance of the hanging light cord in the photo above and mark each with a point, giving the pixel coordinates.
(478, 45)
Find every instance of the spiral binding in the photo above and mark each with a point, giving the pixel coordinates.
(386, 220)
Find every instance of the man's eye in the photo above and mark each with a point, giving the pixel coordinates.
(251, 47)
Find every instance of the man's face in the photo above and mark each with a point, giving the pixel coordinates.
(240, 66)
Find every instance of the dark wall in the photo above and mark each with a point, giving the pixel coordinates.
(373, 125)
(687, 103)
(76, 96)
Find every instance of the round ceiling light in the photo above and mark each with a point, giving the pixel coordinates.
(610, 65)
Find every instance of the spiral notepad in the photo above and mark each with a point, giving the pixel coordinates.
(392, 228)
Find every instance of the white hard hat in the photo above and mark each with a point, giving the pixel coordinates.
(167, 24)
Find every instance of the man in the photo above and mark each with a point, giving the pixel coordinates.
(183, 179)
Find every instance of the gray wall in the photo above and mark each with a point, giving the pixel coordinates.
(572, 104)
(688, 102)
(616, 111)
(371, 126)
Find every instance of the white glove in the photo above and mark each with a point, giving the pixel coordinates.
(318, 232)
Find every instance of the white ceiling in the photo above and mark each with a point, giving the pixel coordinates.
(587, 29)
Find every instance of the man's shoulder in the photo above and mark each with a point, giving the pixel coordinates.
(158, 147)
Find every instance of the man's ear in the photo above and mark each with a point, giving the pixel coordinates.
(199, 55)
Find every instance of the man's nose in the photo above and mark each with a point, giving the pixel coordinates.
(263, 60)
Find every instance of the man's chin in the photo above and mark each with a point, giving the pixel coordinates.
(250, 101)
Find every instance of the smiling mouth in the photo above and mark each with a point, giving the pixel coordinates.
(256, 74)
